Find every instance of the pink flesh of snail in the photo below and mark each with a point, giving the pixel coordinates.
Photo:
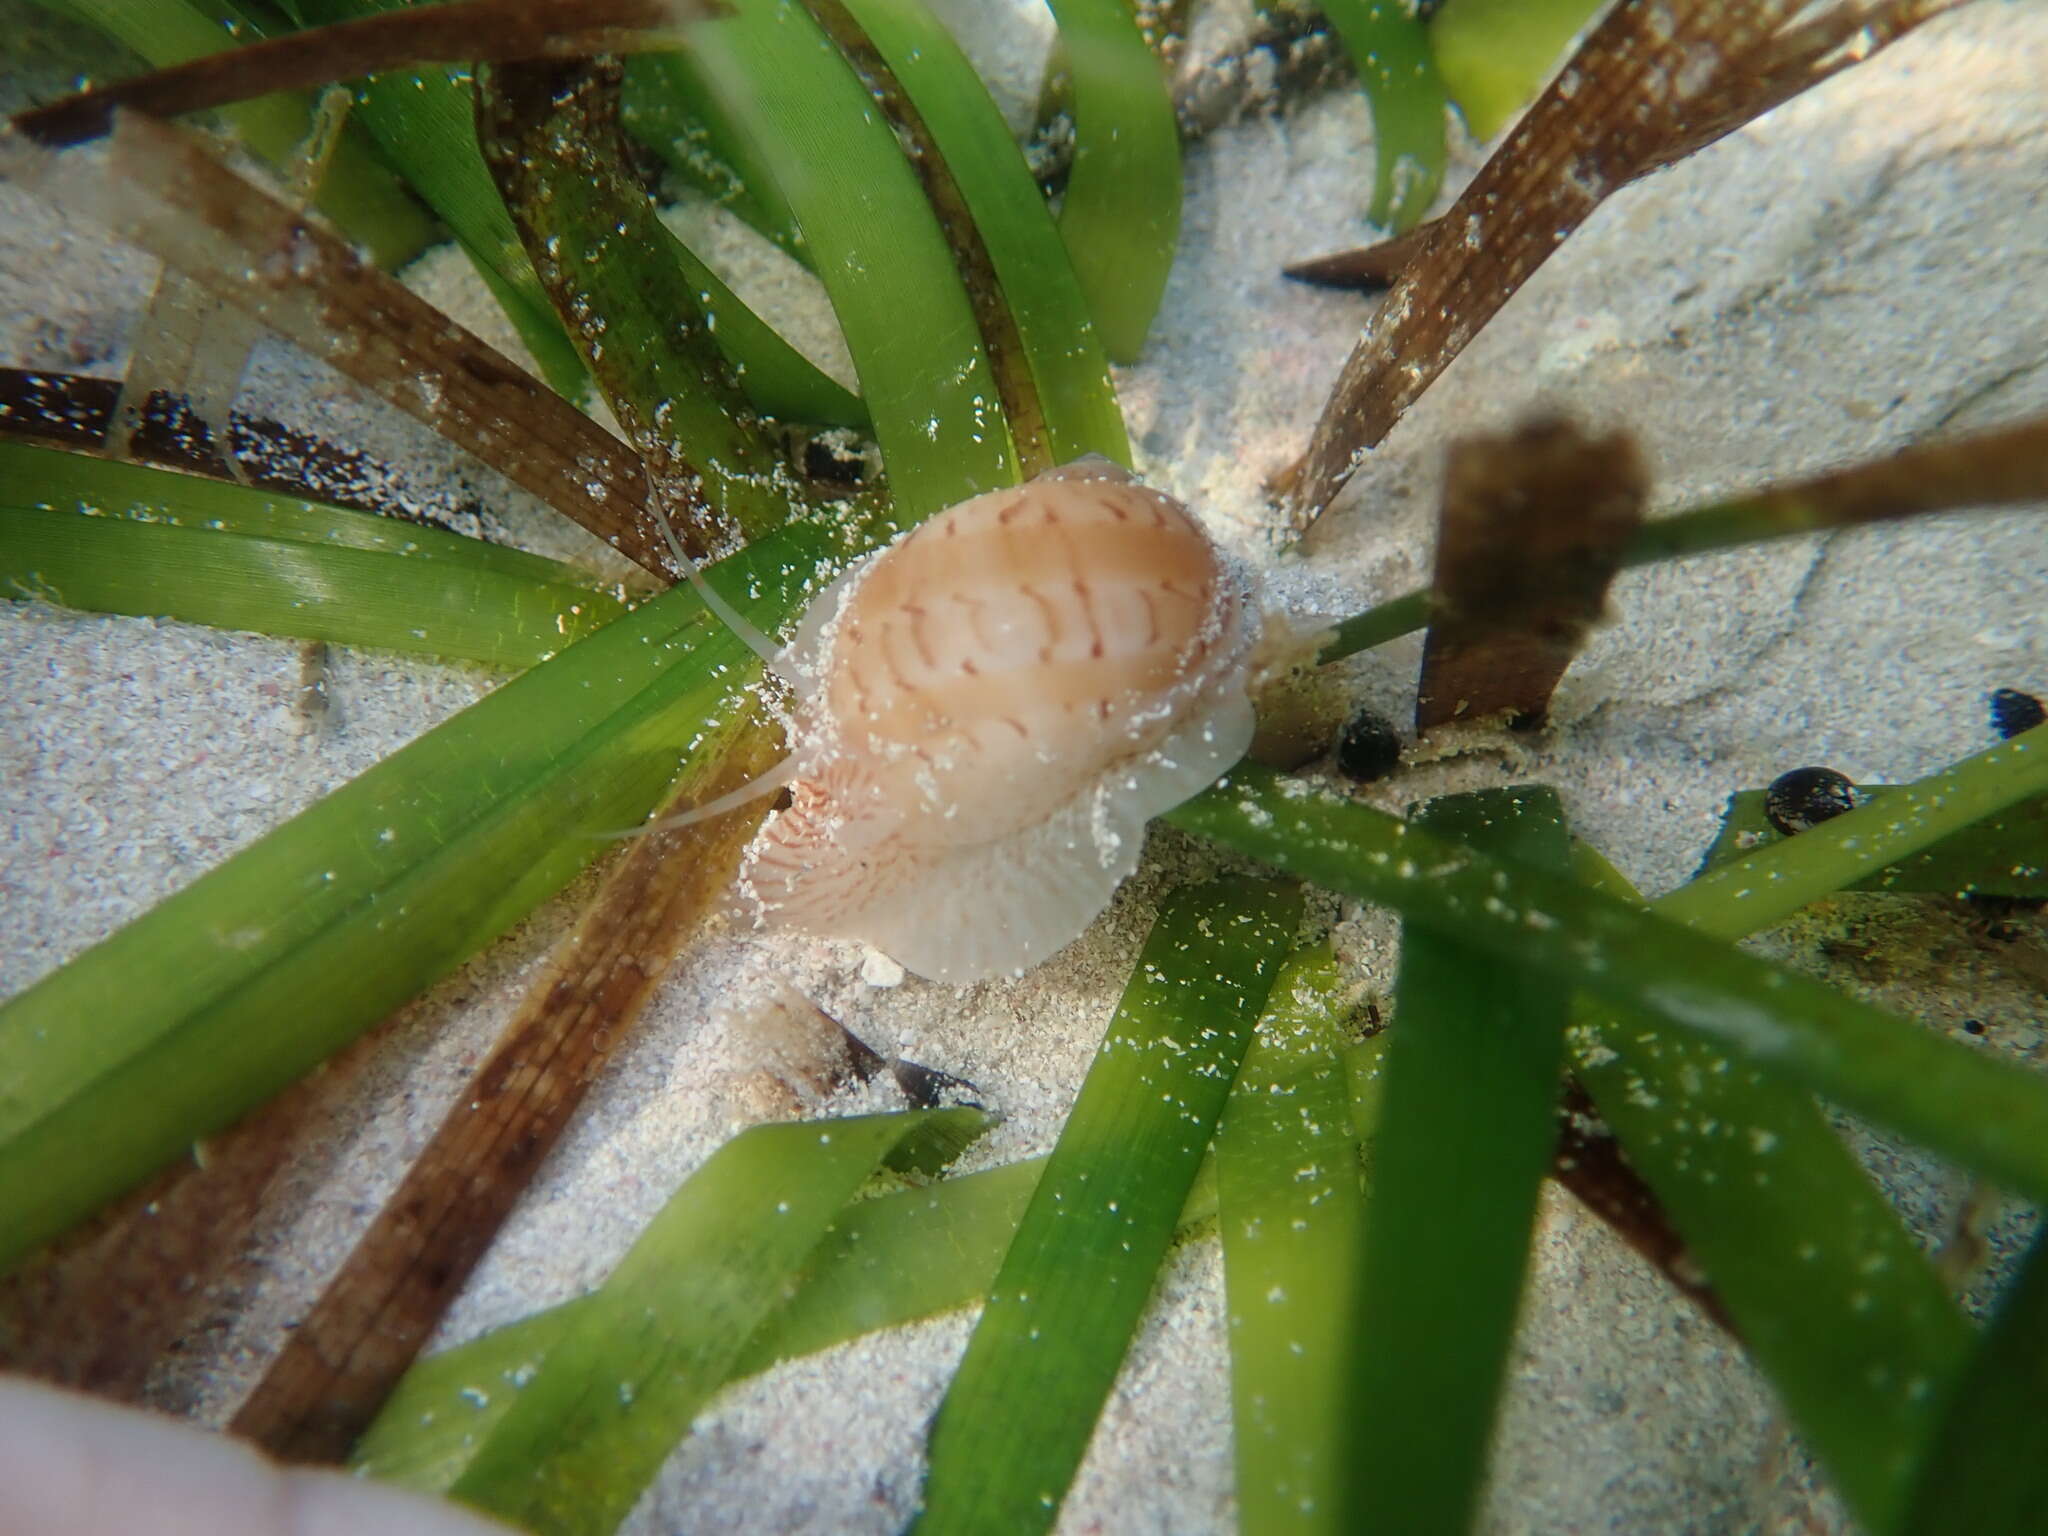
(992, 708)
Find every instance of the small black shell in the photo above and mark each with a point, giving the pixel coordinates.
(1806, 797)
(2013, 712)
(1369, 749)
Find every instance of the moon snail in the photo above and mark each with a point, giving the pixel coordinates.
(988, 711)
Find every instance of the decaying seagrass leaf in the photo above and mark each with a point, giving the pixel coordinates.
(550, 134)
(162, 191)
(343, 1358)
(459, 32)
(70, 410)
(2005, 466)
(1589, 1162)
(1009, 363)
(1531, 531)
(1654, 81)
(102, 1306)
(1367, 269)
(75, 410)
(192, 347)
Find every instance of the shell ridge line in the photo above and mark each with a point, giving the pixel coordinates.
(1035, 671)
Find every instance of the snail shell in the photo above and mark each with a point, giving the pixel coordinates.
(989, 711)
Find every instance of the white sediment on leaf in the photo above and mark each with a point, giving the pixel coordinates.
(1763, 311)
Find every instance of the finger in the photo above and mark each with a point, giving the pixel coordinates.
(73, 1466)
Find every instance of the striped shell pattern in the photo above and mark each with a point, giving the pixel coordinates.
(990, 710)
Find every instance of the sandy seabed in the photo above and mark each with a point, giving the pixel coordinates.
(1860, 270)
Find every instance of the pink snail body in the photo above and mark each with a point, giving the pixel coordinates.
(988, 712)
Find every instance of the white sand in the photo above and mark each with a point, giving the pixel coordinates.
(1860, 270)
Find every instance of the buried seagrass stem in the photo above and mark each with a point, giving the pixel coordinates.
(159, 189)
(1651, 84)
